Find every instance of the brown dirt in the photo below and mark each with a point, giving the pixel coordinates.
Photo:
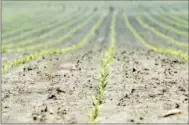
(141, 86)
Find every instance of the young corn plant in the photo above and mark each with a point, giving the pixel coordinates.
(108, 56)
(32, 56)
(167, 51)
(163, 36)
(66, 36)
(4, 49)
(33, 26)
(54, 31)
(167, 27)
(40, 28)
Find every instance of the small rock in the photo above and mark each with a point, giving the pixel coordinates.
(132, 120)
(29, 68)
(133, 70)
(59, 91)
(177, 105)
(34, 118)
(141, 118)
(132, 90)
(51, 97)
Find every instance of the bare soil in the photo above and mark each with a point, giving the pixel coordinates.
(142, 85)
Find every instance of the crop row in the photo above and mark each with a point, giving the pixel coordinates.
(28, 26)
(168, 51)
(32, 56)
(52, 32)
(50, 44)
(8, 26)
(7, 21)
(180, 19)
(107, 58)
(47, 26)
(185, 18)
(156, 32)
(168, 20)
(176, 18)
(61, 39)
(162, 15)
(167, 27)
(168, 17)
(26, 22)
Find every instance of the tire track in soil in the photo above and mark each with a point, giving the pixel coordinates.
(72, 89)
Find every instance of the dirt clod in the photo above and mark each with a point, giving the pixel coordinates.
(134, 69)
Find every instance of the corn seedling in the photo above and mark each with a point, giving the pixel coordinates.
(68, 35)
(49, 33)
(4, 49)
(167, 27)
(33, 25)
(36, 30)
(164, 18)
(167, 51)
(108, 56)
(156, 32)
(37, 54)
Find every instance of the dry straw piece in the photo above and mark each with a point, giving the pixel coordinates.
(171, 112)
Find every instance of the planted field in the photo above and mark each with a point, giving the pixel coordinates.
(106, 62)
